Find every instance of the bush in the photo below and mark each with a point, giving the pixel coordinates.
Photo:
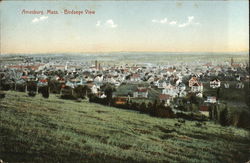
(69, 97)
(244, 120)
(32, 93)
(44, 91)
(164, 112)
(31, 86)
(225, 117)
(2, 95)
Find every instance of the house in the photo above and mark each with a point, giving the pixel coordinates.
(226, 85)
(204, 110)
(98, 79)
(77, 81)
(31, 78)
(69, 84)
(42, 83)
(140, 92)
(197, 87)
(156, 81)
(240, 85)
(167, 98)
(56, 77)
(238, 77)
(162, 84)
(110, 79)
(199, 94)
(94, 88)
(117, 83)
(178, 81)
(25, 77)
(121, 78)
(150, 79)
(135, 78)
(121, 100)
(215, 83)
(102, 95)
(181, 87)
(170, 91)
(21, 81)
(192, 81)
(211, 99)
(42, 76)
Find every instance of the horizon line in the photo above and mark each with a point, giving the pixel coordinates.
(92, 52)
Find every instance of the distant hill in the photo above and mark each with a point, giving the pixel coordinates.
(34, 129)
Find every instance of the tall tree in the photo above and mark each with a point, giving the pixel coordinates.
(108, 91)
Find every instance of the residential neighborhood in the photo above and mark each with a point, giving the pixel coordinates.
(131, 82)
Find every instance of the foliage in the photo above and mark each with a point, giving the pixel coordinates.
(225, 117)
(81, 91)
(31, 86)
(108, 91)
(2, 95)
(32, 93)
(54, 86)
(45, 91)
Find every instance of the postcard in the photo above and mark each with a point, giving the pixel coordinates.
(124, 81)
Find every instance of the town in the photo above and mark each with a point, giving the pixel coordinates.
(181, 89)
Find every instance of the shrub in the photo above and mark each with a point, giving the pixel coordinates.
(2, 95)
(44, 91)
(225, 117)
(81, 91)
(244, 120)
(32, 93)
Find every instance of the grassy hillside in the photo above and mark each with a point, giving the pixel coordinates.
(55, 130)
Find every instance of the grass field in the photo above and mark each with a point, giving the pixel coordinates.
(56, 130)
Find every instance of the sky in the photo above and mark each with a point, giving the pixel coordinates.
(117, 26)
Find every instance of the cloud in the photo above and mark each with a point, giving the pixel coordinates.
(108, 24)
(98, 23)
(190, 21)
(42, 18)
(161, 21)
(183, 25)
(173, 22)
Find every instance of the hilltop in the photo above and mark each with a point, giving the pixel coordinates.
(35, 129)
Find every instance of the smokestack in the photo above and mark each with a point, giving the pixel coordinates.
(96, 64)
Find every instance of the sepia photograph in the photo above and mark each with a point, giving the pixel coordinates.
(124, 81)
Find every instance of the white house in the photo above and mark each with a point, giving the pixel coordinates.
(239, 85)
(98, 79)
(197, 87)
(211, 99)
(170, 91)
(70, 84)
(215, 83)
(141, 92)
(226, 85)
(94, 88)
